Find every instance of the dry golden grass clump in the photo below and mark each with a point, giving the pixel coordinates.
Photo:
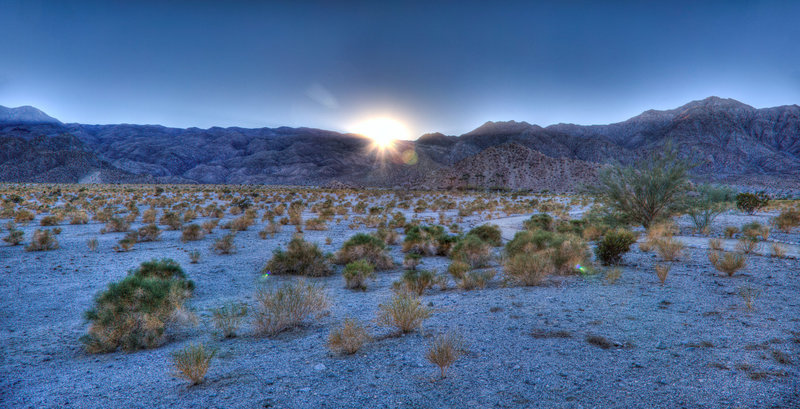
(14, 236)
(727, 262)
(51, 220)
(747, 245)
(404, 312)
(43, 240)
(777, 250)
(445, 350)
(149, 216)
(317, 224)
(348, 338)
(23, 216)
(755, 231)
(662, 270)
(92, 244)
(533, 255)
(787, 220)
(192, 362)
(210, 225)
(225, 244)
(476, 279)
(365, 247)
(270, 230)
(416, 281)
(149, 232)
(668, 248)
(288, 306)
(228, 318)
(657, 232)
(240, 223)
(172, 220)
(127, 242)
(192, 232)
(715, 244)
(529, 268)
(116, 225)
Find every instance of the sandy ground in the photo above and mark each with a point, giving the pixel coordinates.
(688, 343)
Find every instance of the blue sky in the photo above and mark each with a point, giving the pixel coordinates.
(438, 66)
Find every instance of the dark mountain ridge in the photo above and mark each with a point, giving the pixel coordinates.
(731, 141)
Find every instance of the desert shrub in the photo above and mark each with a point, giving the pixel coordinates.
(79, 217)
(288, 306)
(752, 202)
(662, 270)
(51, 220)
(194, 256)
(541, 221)
(404, 312)
(149, 216)
(366, 247)
(116, 225)
(411, 261)
(416, 281)
(387, 235)
(731, 231)
(777, 251)
(471, 249)
(445, 350)
(192, 362)
(228, 318)
(225, 244)
(127, 242)
(149, 232)
(316, 224)
(92, 244)
(192, 232)
(172, 220)
(567, 250)
(300, 258)
(529, 268)
(43, 240)
(210, 225)
(488, 233)
(755, 231)
(23, 216)
(458, 268)
(746, 245)
(241, 223)
(614, 245)
(189, 216)
(727, 262)
(133, 313)
(787, 220)
(271, 229)
(14, 237)
(650, 190)
(348, 338)
(707, 203)
(668, 248)
(476, 279)
(356, 274)
(419, 241)
(715, 244)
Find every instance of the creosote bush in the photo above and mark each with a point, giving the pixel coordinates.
(356, 274)
(348, 338)
(192, 362)
(300, 258)
(288, 306)
(472, 250)
(404, 312)
(365, 247)
(752, 202)
(133, 313)
(613, 245)
(488, 233)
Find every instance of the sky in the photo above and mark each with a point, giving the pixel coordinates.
(437, 66)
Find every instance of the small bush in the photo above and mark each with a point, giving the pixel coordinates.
(356, 274)
(51, 220)
(777, 251)
(225, 244)
(662, 270)
(192, 362)
(241, 223)
(270, 230)
(669, 249)
(411, 261)
(445, 350)
(288, 306)
(751, 202)
(529, 268)
(457, 269)
(149, 232)
(228, 318)
(192, 232)
(316, 224)
(728, 262)
(300, 258)
(488, 233)
(472, 250)
(79, 217)
(171, 220)
(787, 220)
(92, 244)
(731, 231)
(476, 279)
(715, 244)
(43, 240)
(116, 225)
(14, 237)
(210, 225)
(755, 231)
(133, 313)
(127, 242)
(365, 247)
(348, 338)
(417, 281)
(746, 245)
(614, 245)
(404, 312)
(542, 221)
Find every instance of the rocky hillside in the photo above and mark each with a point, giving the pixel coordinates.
(731, 141)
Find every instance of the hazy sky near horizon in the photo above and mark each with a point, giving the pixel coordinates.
(437, 66)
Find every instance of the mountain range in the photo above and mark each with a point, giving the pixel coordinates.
(730, 141)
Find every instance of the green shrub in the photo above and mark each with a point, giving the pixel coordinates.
(752, 202)
(471, 249)
(365, 247)
(614, 245)
(708, 203)
(356, 274)
(417, 281)
(133, 313)
(565, 250)
(542, 221)
(300, 258)
(489, 233)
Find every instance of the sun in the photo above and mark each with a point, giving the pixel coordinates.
(383, 132)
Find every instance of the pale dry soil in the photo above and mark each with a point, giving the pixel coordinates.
(689, 343)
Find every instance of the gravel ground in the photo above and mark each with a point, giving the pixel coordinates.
(690, 342)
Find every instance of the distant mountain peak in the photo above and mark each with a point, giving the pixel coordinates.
(715, 102)
(501, 128)
(25, 115)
